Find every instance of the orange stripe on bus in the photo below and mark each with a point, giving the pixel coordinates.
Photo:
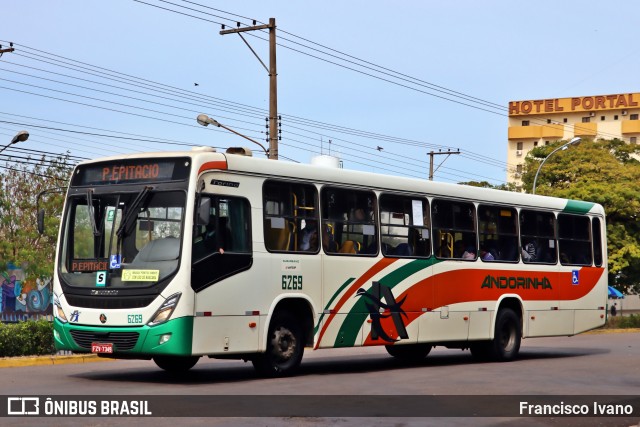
(461, 286)
(218, 164)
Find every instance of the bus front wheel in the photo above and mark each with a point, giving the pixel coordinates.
(176, 363)
(285, 347)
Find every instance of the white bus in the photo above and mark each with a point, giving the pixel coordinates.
(177, 255)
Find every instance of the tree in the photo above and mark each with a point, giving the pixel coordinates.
(20, 184)
(508, 186)
(605, 172)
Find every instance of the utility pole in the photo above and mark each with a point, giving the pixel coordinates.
(434, 153)
(273, 82)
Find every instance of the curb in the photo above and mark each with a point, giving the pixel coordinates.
(16, 362)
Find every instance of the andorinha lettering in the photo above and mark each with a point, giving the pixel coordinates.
(125, 173)
(503, 282)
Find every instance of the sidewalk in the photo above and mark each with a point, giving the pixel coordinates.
(54, 359)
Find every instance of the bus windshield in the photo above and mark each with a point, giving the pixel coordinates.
(122, 239)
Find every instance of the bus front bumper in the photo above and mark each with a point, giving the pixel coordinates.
(173, 337)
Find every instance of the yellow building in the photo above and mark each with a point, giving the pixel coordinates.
(543, 121)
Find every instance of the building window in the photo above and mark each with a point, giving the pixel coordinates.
(564, 120)
(615, 117)
(519, 145)
(602, 118)
(633, 140)
(548, 121)
(525, 123)
(546, 143)
(535, 143)
(519, 169)
(633, 117)
(586, 119)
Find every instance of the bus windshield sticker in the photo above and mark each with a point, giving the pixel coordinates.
(89, 265)
(552, 243)
(114, 261)
(425, 233)
(291, 265)
(277, 222)
(101, 279)
(140, 275)
(417, 213)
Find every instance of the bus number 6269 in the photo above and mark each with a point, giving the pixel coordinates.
(291, 282)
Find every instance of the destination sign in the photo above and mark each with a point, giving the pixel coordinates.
(132, 171)
(89, 265)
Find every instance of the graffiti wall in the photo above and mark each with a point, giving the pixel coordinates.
(24, 298)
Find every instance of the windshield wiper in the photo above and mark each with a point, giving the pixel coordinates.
(90, 209)
(132, 212)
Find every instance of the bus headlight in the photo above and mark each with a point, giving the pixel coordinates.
(58, 312)
(166, 310)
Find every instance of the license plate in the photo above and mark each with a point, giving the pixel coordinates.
(98, 347)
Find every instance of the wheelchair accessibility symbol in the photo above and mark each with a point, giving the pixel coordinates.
(575, 279)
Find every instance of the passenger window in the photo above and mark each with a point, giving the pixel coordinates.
(537, 237)
(404, 226)
(596, 232)
(290, 217)
(454, 229)
(498, 233)
(574, 240)
(349, 223)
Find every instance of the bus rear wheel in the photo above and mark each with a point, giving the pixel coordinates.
(506, 341)
(409, 352)
(176, 363)
(285, 348)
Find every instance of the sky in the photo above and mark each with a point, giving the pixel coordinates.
(98, 78)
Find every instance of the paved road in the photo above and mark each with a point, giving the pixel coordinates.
(591, 364)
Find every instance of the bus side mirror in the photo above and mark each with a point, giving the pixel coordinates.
(203, 211)
(41, 221)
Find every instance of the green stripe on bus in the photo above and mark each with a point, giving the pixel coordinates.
(335, 295)
(578, 206)
(358, 314)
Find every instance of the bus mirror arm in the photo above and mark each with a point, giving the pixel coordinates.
(41, 213)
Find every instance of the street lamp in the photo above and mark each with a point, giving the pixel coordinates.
(21, 136)
(205, 120)
(574, 141)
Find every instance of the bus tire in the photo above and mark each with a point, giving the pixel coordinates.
(176, 363)
(506, 342)
(285, 348)
(409, 352)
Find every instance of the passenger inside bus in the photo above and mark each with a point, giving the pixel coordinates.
(309, 236)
